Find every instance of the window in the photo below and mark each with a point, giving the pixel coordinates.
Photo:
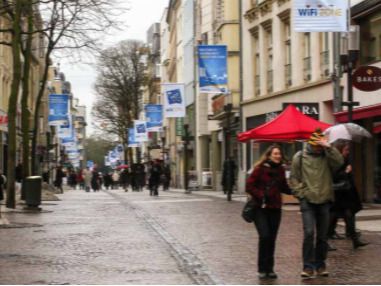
(324, 54)
(257, 65)
(269, 43)
(370, 27)
(307, 57)
(288, 54)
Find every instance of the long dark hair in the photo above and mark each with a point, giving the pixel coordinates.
(266, 155)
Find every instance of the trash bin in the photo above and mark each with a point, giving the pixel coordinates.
(32, 187)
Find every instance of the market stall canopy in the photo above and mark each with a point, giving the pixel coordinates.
(290, 125)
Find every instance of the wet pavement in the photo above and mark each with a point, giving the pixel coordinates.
(116, 237)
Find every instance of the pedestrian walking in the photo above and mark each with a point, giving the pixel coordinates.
(264, 187)
(166, 177)
(3, 181)
(347, 200)
(59, 178)
(154, 178)
(80, 180)
(228, 176)
(95, 180)
(115, 180)
(311, 180)
(87, 179)
(107, 179)
(125, 179)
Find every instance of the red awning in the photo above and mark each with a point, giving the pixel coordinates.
(359, 113)
(377, 129)
(290, 125)
(3, 119)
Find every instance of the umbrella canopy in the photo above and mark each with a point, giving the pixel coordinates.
(290, 125)
(347, 131)
(122, 167)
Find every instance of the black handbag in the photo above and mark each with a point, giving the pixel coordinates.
(248, 211)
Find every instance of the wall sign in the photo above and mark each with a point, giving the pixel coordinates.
(367, 78)
(310, 109)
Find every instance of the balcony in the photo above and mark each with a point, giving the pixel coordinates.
(307, 69)
(270, 81)
(257, 85)
(288, 74)
(324, 64)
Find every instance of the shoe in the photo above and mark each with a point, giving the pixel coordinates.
(272, 275)
(262, 275)
(307, 273)
(358, 243)
(322, 271)
(336, 236)
(331, 247)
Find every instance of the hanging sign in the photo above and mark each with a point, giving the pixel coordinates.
(141, 134)
(174, 103)
(367, 78)
(212, 64)
(154, 116)
(131, 138)
(320, 15)
(58, 109)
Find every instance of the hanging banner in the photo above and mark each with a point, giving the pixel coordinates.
(141, 134)
(154, 117)
(174, 100)
(131, 138)
(107, 161)
(320, 16)
(212, 66)
(58, 109)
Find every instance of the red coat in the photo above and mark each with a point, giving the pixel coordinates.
(271, 178)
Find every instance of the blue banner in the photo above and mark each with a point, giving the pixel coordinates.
(131, 138)
(154, 116)
(141, 134)
(174, 100)
(58, 109)
(90, 164)
(212, 62)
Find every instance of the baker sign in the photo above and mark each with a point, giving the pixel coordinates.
(367, 78)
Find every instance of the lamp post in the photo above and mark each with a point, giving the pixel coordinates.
(163, 143)
(228, 168)
(186, 142)
(349, 50)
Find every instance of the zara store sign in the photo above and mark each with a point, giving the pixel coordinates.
(310, 109)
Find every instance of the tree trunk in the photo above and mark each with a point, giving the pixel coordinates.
(36, 113)
(25, 116)
(12, 108)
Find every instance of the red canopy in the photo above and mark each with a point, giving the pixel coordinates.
(290, 125)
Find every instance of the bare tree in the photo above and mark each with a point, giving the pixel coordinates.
(76, 25)
(121, 77)
(66, 25)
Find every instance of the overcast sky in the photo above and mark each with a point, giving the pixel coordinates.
(140, 16)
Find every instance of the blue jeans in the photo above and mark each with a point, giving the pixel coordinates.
(267, 223)
(315, 216)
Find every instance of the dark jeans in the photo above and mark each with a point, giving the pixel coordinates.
(350, 223)
(267, 222)
(315, 216)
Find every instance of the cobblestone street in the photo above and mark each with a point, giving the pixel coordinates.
(116, 237)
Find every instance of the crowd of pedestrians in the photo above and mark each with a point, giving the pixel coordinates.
(137, 177)
(321, 179)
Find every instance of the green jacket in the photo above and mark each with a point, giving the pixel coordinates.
(311, 176)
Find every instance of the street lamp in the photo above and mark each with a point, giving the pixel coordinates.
(186, 142)
(349, 52)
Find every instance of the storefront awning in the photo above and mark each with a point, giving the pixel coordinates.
(359, 113)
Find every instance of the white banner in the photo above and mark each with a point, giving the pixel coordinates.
(174, 100)
(320, 15)
(141, 134)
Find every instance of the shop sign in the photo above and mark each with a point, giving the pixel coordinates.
(310, 109)
(218, 104)
(367, 78)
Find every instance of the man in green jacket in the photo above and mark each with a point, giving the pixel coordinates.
(311, 181)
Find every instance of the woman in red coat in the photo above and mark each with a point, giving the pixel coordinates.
(264, 187)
